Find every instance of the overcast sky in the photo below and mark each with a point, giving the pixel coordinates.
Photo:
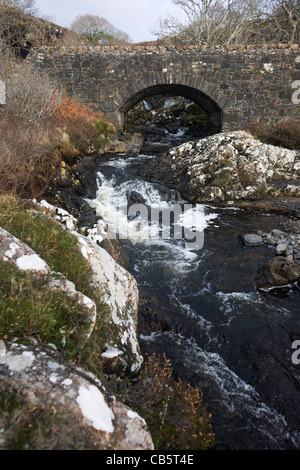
(135, 17)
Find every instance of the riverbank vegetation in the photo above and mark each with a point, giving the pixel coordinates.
(40, 125)
(31, 312)
(282, 134)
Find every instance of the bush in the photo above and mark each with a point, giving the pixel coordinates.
(31, 129)
(30, 94)
(82, 123)
(26, 138)
(283, 134)
(173, 409)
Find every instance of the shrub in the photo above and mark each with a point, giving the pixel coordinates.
(82, 123)
(26, 138)
(282, 134)
(173, 409)
(31, 124)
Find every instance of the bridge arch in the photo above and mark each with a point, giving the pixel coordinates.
(203, 94)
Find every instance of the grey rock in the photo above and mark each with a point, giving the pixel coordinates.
(225, 167)
(101, 422)
(270, 240)
(289, 251)
(277, 233)
(252, 239)
(277, 272)
(17, 252)
(281, 248)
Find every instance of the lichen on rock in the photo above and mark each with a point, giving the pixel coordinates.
(228, 167)
(99, 420)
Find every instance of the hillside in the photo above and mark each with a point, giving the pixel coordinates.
(22, 31)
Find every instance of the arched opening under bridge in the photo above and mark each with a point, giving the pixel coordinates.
(207, 115)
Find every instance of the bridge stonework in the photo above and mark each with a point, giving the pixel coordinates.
(235, 85)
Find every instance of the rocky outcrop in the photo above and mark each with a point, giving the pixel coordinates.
(54, 383)
(227, 167)
(99, 421)
(120, 293)
(17, 252)
(119, 287)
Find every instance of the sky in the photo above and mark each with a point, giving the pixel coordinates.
(137, 18)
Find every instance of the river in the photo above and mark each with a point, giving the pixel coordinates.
(201, 308)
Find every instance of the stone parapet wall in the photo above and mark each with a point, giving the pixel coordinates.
(235, 85)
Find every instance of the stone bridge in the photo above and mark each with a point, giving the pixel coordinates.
(234, 85)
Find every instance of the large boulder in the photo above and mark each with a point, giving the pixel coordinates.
(226, 167)
(278, 272)
(119, 287)
(120, 293)
(65, 390)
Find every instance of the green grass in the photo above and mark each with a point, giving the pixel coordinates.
(44, 235)
(28, 308)
(24, 426)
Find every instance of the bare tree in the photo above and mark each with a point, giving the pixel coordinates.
(285, 16)
(98, 29)
(30, 94)
(213, 21)
(26, 6)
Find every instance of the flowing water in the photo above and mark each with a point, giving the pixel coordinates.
(201, 308)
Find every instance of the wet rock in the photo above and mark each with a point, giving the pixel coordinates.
(270, 240)
(282, 247)
(252, 239)
(101, 422)
(292, 190)
(277, 272)
(284, 268)
(133, 197)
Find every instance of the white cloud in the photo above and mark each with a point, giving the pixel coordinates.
(135, 17)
